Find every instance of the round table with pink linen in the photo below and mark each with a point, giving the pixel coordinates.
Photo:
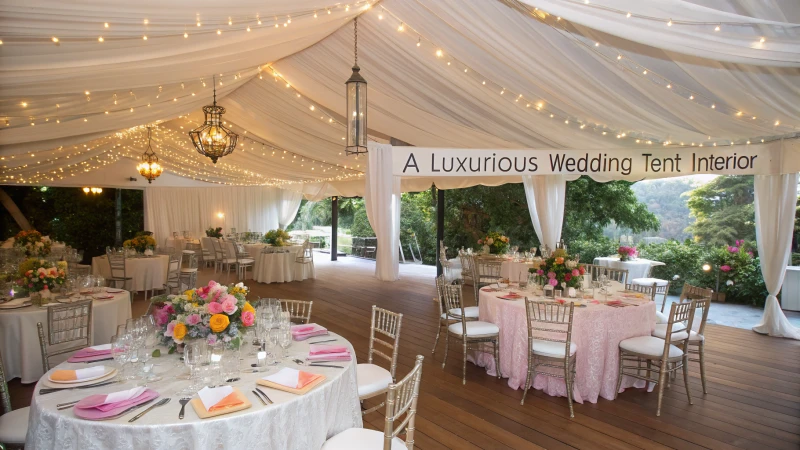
(597, 330)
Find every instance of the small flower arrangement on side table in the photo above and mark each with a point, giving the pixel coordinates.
(626, 253)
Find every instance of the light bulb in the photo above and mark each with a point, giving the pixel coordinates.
(55, 40)
(100, 39)
(716, 28)
(439, 53)
(219, 31)
(144, 37)
(105, 25)
(628, 15)
(401, 27)
(762, 40)
(669, 24)
(185, 35)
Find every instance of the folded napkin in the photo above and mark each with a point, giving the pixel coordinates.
(292, 378)
(323, 352)
(15, 302)
(96, 407)
(302, 332)
(78, 375)
(104, 349)
(215, 399)
(343, 356)
(614, 302)
(511, 296)
(112, 400)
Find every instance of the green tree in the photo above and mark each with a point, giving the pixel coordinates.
(667, 199)
(723, 210)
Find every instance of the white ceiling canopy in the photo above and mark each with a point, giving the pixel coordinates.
(79, 82)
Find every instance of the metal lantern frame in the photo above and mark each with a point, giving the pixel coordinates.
(149, 167)
(356, 93)
(216, 148)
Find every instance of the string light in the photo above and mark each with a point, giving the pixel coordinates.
(100, 39)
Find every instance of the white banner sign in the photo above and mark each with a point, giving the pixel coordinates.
(769, 158)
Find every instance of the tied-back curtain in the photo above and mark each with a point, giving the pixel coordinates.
(290, 203)
(382, 199)
(546, 195)
(775, 200)
(170, 209)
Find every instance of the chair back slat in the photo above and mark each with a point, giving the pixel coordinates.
(646, 289)
(386, 323)
(680, 320)
(69, 326)
(552, 318)
(298, 309)
(402, 398)
(5, 397)
(690, 292)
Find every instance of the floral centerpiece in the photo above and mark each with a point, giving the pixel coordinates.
(33, 243)
(560, 269)
(140, 242)
(40, 275)
(214, 232)
(496, 242)
(626, 253)
(215, 312)
(278, 238)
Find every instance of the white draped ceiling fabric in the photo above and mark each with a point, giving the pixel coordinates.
(546, 195)
(80, 81)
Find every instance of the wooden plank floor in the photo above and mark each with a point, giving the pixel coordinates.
(753, 381)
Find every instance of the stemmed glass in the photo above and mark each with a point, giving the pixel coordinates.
(120, 348)
(194, 355)
(285, 340)
(271, 341)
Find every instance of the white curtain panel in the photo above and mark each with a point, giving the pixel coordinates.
(196, 209)
(382, 199)
(546, 195)
(776, 197)
(290, 203)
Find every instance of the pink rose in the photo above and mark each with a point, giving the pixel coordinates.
(193, 319)
(725, 268)
(540, 272)
(576, 273)
(229, 305)
(212, 339)
(553, 282)
(214, 308)
(551, 275)
(170, 327)
(733, 249)
(161, 317)
(248, 318)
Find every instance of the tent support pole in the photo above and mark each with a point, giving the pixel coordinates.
(334, 227)
(439, 227)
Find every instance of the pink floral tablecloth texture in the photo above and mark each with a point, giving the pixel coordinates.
(597, 331)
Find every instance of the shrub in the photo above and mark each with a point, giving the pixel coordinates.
(591, 249)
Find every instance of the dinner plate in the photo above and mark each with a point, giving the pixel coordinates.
(114, 291)
(109, 371)
(103, 297)
(23, 305)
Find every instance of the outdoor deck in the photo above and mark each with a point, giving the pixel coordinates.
(754, 381)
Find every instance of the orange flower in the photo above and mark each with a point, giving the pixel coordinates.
(218, 323)
(179, 332)
(248, 307)
(559, 260)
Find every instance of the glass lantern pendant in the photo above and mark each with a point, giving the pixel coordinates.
(356, 106)
(213, 139)
(149, 167)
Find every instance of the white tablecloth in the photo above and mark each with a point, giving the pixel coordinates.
(147, 273)
(292, 422)
(19, 340)
(255, 249)
(514, 270)
(281, 268)
(637, 268)
(53, 245)
(179, 243)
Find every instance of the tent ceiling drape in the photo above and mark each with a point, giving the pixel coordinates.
(599, 74)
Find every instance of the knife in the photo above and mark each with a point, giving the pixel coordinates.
(51, 390)
(325, 365)
(97, 360)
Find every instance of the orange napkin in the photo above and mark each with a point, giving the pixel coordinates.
(230, 401)
(306, 378)
(77, 375)
(63, 375)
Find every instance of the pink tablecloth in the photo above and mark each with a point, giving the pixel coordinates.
(597, 330)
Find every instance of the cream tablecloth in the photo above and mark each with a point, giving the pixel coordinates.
(19, 340)
(147, 273)
(292, 422)
(597, 330)
(637, 268)
(281, 268)
(514, 270)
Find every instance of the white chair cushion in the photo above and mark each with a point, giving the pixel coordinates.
(475, 328)
(661, 317)
(246, 261)
(14, 426)
(552, 349)
(189, 270)
(470, 311)
(650, 346)
(229, 260)
(694, 337)
(661, 331)
(360, 439)
(188, 252)
(372, 380)
(649, 282)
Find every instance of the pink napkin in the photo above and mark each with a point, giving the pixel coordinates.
(613, 302)
(96, 407)
(303, 332)
(94, 351)
(344, 356)
(322, 352)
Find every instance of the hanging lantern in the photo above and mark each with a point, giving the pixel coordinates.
(356, 106)
(213, 139)
(149, 167)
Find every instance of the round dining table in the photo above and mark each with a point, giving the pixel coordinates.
(146, 272)
(637, 268)
(597, 330)
(292, 421)
(19, 338)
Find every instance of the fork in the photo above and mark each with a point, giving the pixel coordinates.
(183, 403)
(299, 361)
(160, 403)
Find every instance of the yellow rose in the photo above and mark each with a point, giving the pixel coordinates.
(179, 332)
(248, 307)
(218, 323)
(188, 293)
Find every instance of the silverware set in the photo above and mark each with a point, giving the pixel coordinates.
(46, 391)
(161, 402)
(316, 364)
(265, 400)
(183, 403)
(321, 342)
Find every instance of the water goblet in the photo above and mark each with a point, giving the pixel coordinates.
(119, 351)
(285, 340)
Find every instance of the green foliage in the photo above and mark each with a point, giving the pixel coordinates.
(591, 249)
(684, 259)
(277, 237)
(361, 227)
(667, 199)
(418, 217)
(723, 209)
(214, 232)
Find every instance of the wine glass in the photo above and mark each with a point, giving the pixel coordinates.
(285, 340)
(271, 341)
(194, 355)
(119, 351)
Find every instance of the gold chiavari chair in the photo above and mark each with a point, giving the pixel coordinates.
(648, 290)
(373, 379)
(242, 261)
(13, 424)
(697, 339)
(663, 356)
(554, 349)
(485, 271)
(116, 263)
(298, 309)
(470, 311)
(466, 267)
(472, 333)
(68, 325)
(401, 399)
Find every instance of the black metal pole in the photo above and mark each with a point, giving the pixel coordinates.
(334, 227)
(439, 227)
